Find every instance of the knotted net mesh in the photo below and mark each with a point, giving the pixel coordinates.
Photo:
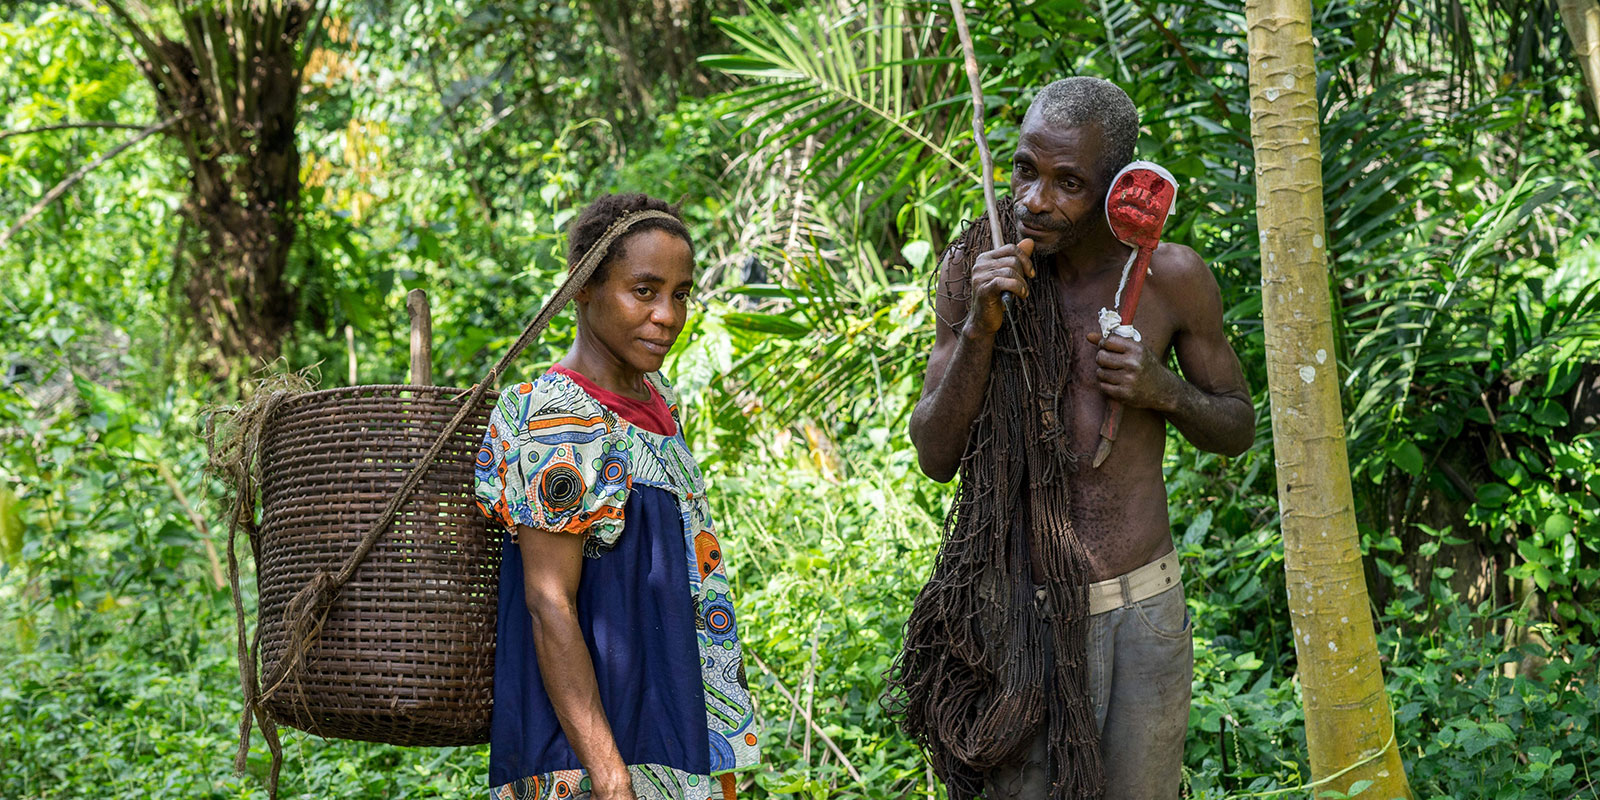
(985, 663)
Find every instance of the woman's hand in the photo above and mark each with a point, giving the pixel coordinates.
(552, 564)
(612, 783)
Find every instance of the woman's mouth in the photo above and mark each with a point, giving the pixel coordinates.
(657, 348)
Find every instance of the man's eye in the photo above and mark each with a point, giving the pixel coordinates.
(682, 297)
(643, 291)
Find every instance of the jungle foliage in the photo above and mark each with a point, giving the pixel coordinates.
(823, 158)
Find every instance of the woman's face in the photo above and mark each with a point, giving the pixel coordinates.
(638, 310)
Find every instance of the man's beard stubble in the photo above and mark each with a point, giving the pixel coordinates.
(1068, 231)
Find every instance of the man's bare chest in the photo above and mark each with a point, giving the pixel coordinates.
(1080, 312)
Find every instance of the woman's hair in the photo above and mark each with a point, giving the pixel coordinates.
(591, 224)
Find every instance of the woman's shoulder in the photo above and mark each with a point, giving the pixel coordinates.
(664, 387)
(551, 400)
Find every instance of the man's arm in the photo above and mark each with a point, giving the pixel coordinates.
(552, 563)
(963, 349)
(1210, 403)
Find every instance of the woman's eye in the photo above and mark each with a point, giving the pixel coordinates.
(682, 297)
(643, 291)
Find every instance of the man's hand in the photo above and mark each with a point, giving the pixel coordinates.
(1133, 375)
(1006, 269)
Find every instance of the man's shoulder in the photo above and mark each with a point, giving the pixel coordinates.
(1180, 263)
(1178, 271)
(1181, 277)
(972, 241)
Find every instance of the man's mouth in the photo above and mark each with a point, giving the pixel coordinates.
(1030, 232)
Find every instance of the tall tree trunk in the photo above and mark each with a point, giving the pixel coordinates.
(234, 76)
(1348, 717)
(1583, 25)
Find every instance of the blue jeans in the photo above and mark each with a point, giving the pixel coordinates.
(1141, 665)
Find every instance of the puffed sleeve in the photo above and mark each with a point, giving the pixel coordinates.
(549, 460)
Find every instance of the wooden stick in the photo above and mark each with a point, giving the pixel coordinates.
(350, 347)
(794, 703)
(811, 690)
(974, 80)
(991, 204)
(421, 338)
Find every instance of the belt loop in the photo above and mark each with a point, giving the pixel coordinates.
(1127, 591)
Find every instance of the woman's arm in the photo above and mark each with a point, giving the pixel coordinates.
(552, 562)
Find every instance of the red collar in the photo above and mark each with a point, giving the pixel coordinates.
(651, 415)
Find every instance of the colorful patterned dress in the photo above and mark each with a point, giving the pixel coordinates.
(670, 672)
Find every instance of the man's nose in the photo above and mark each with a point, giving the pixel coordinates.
(1032, 199)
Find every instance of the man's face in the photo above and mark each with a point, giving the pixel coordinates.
(1055, 183)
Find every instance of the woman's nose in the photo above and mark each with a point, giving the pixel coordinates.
(665, 315)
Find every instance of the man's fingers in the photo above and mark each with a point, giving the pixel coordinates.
(1114, 391)
(1015, 286)
(1112, 377)
(1003, 251)
(1004, 281)
(1117, 344)
(1094, 338)
(1119, 361)
(1025, 251)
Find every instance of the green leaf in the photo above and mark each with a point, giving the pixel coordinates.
(1556, 526)
(1408, 457)
(1551, 414)
(775, 324)
(10, 526)
(917, 253)
(1493, 495)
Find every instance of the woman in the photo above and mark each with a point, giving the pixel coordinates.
(617, 667)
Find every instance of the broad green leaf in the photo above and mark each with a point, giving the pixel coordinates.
(10, 526)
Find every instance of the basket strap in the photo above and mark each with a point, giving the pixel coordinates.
(309, 607)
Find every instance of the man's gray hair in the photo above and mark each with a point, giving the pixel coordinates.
(1083, 100)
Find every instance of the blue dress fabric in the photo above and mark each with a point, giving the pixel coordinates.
(653, 601)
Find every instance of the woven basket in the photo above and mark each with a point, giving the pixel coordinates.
(406, 654)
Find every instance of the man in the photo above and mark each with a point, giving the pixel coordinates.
(1050, 654)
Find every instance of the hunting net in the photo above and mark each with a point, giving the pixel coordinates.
(984, 663)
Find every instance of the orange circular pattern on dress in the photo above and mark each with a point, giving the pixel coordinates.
(562, 789)
(750, 739)
(524, 388)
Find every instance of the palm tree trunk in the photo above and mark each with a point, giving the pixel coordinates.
(1348, 718)
(1583, 25)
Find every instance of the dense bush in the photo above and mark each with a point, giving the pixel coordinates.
(1462, 223)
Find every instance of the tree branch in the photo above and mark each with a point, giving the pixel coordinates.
(71, 180)
(783, 690)
(68, 126)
